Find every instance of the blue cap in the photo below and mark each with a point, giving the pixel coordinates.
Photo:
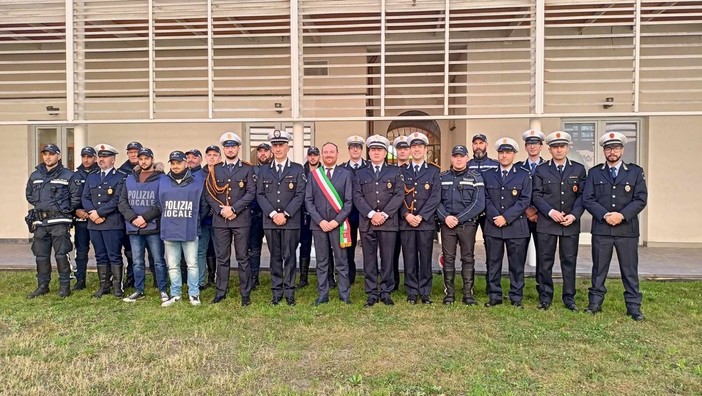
(52, 148)
(479, 136)
(194, 152)
(264, 146)
(176, 156)
(147, 152)
(313, 150)
(459, 150)
(213, 147)
(134, 146)
(89, 151)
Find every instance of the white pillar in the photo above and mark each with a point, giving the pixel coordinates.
(298, 142)
(80, 140)
(534, 123)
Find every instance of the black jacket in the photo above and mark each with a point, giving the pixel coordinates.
(52, 194)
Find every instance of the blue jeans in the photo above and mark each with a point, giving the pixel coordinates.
(139, 243)
(174, 251)
(202, 244)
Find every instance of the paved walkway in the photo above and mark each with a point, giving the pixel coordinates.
(654, 263)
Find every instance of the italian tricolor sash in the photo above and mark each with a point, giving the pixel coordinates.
(335, 201)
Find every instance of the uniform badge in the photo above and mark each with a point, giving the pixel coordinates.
(241, 184)
(627, 188)
(575, 188)
(389, 185)
(109, 191)
(427, 186)
(291, 186)
(514, 193)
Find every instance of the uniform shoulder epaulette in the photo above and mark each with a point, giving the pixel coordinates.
(122, 172)
(446, 172)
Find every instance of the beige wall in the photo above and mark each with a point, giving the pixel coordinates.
(14, 151)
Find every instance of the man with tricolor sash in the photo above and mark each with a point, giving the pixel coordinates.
(328, 200)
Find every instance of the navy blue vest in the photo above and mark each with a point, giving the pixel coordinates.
(180, 208)
(141, 197)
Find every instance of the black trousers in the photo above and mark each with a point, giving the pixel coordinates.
(532, 231)
(396, 260)
(516, 257)
(568, 255)
(54, 237)
(222, 238)
(282, 245)
(628, 256)
(324, 244)
(256, 242)
(351, 252)
(418, 274)
(372, 241)
(82, 245)
(305, 238)
(462, 235)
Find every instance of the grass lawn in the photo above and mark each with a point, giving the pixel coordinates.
(82, 345)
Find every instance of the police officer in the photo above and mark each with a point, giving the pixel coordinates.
(378, 194)
(280, 191)
(422, 195)
(127, 168)
(265, 156)
(355, 162)
(205, 249)
(100, 199)
(462, 200)
(615, 193)
(88, 164)
(507, 195)
(193, 159)
(305, 230)
(558, 187)
(402, 149)
(54, 197)
(230, 188)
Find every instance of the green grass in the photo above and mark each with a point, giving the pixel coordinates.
(85, 346)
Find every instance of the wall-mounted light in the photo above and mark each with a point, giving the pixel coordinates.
(52, 110)
(278, 107)
(609, 102)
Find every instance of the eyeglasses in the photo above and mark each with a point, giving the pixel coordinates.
(615, 149)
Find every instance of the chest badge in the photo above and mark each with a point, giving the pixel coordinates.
(575, 188)
(241, 184)
(291, 186)
(389, 185)
(627, 188)
(514, 192)
(427, 186)
(109, 191)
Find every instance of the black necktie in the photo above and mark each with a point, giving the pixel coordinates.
(416, 170)
(355, 166)
(504, 175)
(613, 172)
(560, 169)
(377, 171)
(533, 167)
(329, 173)
(280, 170)
(102, 176)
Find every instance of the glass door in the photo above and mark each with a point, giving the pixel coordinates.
(59, 135)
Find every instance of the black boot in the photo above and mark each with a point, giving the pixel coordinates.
(80, 284)
(102, 277)
(304, 272)
(449, 286)
(468, 276)
(117, 280)
(211, 269)
(43, 278)
(64, 270)
(254, 262)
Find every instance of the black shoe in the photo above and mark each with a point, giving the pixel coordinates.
(290, 301)
(80, 285)
(544, 306)
(276, 300)
(593, 309)
(245, 301)
(370, 302)
(517, 304)
(492, 303)
(64, 290)
(40, 291)
(636, 315)
(412, 299)
(320, 301)
(218, 298)
(347, 301)
(426, 300)
(302, 283)
(572, 307)
(468, 300)
(387, 301)
(332, 284)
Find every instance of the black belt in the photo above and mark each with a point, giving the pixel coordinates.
(49, 214)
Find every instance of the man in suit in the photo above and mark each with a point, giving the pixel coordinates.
(508, 194)
(615, 193)
(422, 195)
(230, 188)
(81, 236)
(328, 199)
(355, 162)
(101, 199)
(377, 194)
(280, 191)
(558, 187)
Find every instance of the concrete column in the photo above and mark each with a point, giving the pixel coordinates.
(80, 140)
(299, 142)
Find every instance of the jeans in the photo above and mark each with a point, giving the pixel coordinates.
(188, 249)
(202, 244)
(139, 243)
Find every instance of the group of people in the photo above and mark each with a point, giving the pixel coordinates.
(187, 220)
